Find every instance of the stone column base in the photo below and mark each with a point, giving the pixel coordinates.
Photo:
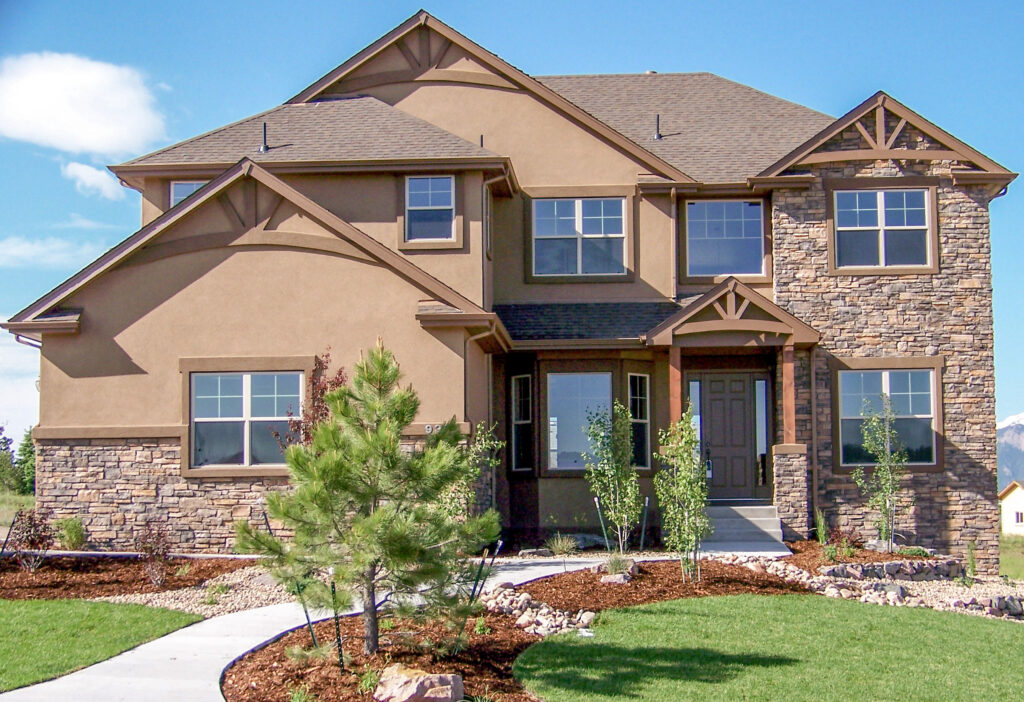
(791, 489)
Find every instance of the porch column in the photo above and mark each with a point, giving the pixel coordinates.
(788, 394)
(675, 383)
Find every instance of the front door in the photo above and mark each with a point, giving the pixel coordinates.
(734, 428)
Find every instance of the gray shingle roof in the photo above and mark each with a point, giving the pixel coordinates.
(361, 128)
(585, 320)
(713, 129)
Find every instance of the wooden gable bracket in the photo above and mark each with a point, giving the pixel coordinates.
(732, 314)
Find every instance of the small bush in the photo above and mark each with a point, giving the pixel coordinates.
(820, 526)
(154, 547)
(914, 551)
(831, 552)
(303, 656)
(301, 694)
(31, 537)
(368, 680)
(71, 533)
(561, 545)
(616, 564)
(972, 559)
(183, 570)
(839, 536)
(481, 628)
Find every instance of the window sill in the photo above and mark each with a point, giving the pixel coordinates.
(749, 278)
(627, 277)
(911, 469)
(278, 471)
(883, 270)
(430, 244)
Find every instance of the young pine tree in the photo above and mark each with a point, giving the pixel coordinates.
(370, 510)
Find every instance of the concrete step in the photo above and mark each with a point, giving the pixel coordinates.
(754, 523)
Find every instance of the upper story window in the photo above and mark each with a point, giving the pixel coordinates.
(911, 396)
(582, 236)
(181, 189)
(238, 418)
(430, 208)
(724, 237)
(881, 228)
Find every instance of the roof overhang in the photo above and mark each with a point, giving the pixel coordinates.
(485, 328)
(751, 186)
(1008, 489)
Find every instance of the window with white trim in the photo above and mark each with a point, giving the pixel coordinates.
(238, 418)
(181, 189)
(724, 237)
(881, 228)
(522, 422)
(430, 208)
(582, 236)
(1020, 517)
(640, 411)
(572, 399)
(913, 404)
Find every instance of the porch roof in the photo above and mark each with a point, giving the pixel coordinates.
(583, 320)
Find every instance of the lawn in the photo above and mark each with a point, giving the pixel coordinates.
(46, 638)
(1011, 556)
(788, 647)
(11, 503)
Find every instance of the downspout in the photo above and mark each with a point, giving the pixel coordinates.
(675, 244)
(486, 233)
(814, 429)
(491, 327)
(31, 343)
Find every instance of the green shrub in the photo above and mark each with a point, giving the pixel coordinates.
(368, 680)
(303, 656)
(481, 628)
(70, 534)
(914, 551)
(561, 545)
(616, 564)
(820, 526)
(831, 552)
(301, 694)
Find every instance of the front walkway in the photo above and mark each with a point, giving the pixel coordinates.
(186, 664)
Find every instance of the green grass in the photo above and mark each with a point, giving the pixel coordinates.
(1011, 556)
(791, 647)
(11, 503)
(46, 638)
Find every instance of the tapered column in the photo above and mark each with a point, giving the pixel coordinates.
(788, 395)
(675, 383)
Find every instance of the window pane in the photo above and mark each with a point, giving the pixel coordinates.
(554, 256)
(916, 436)
(861, 392)
(857, 248)
(263, 384)
(761, 415)
(724, 256)
(853, 442)
(205, 407)
(603, 255)
(430, 224)
(263, 407)
(523, 457)
(906, 247)
(521, 400)
(571, 396)
(207, 386)
(638, 399)
(641, 450)
(180, 191)
(263, 445)
(218, 443)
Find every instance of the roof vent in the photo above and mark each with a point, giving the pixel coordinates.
(650, 73)
(263, 147)
(657, 127)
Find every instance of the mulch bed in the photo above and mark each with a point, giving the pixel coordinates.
(809, 555)
(486, 665)
(66, 577)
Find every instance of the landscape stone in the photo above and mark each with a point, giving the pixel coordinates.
(400, 683)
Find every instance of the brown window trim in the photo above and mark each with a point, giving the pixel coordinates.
(632, 202)
(929, 183)
(767, 260)
(459, 182)
(232, 364)
(933, 363)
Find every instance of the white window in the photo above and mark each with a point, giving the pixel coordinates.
(640, 410)
(181, 189)
(724, 237)
(1020, 517)
(239, 419)
(573, 398)
(909, 391)
(881, 228)
(430, 208)
(579, 237)
(522, 423)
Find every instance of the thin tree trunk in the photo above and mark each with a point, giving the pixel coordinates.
(371, 636)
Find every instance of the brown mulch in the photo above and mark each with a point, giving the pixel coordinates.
(809, 555)
(485, 666)
(655, 581)
(83, 577)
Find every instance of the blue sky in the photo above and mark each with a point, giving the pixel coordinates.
(179, 69)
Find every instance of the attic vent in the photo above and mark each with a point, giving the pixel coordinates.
(263, 147)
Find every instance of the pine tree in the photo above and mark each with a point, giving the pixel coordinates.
(25, 460)
(370, 510)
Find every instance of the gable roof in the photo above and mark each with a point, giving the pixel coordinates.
(1014, 485)
(882, 148)
(716, 130)
(517, 77)
(243, 169)
(353, 129)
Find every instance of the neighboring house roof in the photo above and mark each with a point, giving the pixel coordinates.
(713, 129)
(1009, 488)
(351, 129)
(584, 320)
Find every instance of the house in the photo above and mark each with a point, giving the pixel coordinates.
(531, 248)
(1011, 508)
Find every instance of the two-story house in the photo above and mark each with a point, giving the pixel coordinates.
(533, 248)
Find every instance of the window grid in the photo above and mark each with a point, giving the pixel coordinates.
(245, 416)
(722, 221)
(522, 415)
(182, 189)
(867, 207)
(640, 409)
(886, 388)
(429, 193)
(604, 219)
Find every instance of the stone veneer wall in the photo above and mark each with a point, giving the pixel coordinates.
(791, 492)
(946, 314)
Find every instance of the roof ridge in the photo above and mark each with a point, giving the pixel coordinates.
(629, 74)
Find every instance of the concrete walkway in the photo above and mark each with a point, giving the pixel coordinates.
(185, 665)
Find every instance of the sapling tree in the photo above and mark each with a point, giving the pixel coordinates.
(682, 489)
(609, 470)
(882, 485)
(371, 509)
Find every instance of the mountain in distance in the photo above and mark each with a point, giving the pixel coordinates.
(1010, 443)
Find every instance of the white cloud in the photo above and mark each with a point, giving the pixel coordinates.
(50, 252)
(89, 180)
(19, 399)
(77, 221)
(75, 104)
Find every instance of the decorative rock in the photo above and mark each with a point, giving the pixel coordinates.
(536, 553)
(586, 619)
(502, 586)
(618, 579)
(399, 683)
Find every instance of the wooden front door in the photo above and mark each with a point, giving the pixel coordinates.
(732, 442)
